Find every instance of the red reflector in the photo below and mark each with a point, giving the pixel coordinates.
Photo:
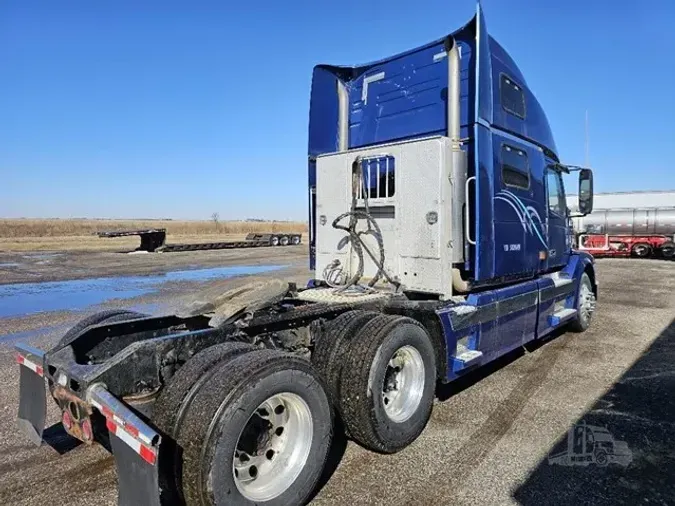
(86, 430)
(131, 430)
(107, 412)
(19, 359)
(110, 425)
(39, 371)
(148, 455)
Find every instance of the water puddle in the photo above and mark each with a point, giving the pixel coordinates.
(26, 298)
(43, 256)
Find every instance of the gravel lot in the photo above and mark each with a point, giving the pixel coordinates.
(489, 436)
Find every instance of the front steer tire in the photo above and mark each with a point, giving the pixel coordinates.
(585, 305)
(367, 379)
(229, 408)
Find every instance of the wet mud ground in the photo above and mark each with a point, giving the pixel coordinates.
(488, 439)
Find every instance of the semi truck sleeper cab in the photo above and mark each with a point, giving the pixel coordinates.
(439, 241)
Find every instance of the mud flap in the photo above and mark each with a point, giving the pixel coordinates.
(32, 405)
(138, 480)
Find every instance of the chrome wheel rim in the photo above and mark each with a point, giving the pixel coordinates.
(586, 302)
(403, 384)
(273, 447)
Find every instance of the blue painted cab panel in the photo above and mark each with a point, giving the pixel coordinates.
(405, 97)
(507, 318)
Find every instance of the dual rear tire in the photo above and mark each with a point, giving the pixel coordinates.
(381, 373)
(249, 426)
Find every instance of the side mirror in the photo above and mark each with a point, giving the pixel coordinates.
(585, 191)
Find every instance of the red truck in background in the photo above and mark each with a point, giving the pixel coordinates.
(640, 246)
(641, 233)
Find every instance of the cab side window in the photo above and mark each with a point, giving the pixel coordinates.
(556, 194)
(515, 168)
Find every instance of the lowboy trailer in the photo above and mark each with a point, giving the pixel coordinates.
(154, 240)
(439, 239)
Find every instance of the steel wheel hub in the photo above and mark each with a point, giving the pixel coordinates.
(273, 447)
(403, 384)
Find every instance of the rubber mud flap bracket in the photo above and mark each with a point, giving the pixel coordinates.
(138, 481)
(32, 405)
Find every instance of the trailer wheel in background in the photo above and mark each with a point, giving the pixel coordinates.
(332, 346)
(175, 399)
(274, 240)
(642, 250)
(258, 432)
(295, 240)
(667, 250)
(283, 240)
(387, 383)
(585, 305)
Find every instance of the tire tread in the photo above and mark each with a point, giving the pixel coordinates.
(214, 399)
(333, 346)
(356, 410)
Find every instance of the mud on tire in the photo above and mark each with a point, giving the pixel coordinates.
(175, 399)
(332, 347)
(387, 383)
(265, 398)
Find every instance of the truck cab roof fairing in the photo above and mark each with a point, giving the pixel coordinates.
(425, 101)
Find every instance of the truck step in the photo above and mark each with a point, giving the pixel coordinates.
(464, 357)
(560, 279)
(463, 309)
(559, 316)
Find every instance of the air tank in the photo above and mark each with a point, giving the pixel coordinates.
(659, 221)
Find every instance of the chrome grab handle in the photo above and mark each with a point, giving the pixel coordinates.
(466, 214)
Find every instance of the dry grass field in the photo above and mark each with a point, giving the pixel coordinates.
(79, 234)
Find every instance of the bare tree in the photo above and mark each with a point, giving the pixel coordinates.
(216, 217)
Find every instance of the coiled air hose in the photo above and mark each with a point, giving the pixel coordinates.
(332, 274)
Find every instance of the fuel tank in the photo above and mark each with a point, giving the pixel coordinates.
(628, 221)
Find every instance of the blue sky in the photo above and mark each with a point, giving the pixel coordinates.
(180, 109)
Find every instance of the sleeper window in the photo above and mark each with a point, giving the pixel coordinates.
(515, 168)
(512, 97)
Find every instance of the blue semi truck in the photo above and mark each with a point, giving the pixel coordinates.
(439, 241)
